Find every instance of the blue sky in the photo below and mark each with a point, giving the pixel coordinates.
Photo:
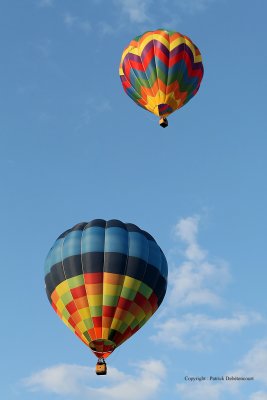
(74, 147)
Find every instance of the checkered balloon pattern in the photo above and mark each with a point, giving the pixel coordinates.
(105, 279)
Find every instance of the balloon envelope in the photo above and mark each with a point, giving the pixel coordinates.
(105, 279)
(161, 71)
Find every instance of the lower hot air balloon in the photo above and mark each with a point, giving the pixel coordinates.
(105, 279)
(161, 71)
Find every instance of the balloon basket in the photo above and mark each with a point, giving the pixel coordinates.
(101, 367)
(163, 122)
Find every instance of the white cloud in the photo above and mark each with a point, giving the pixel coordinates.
(145, 386)
(106, 28)
(76, 381)
(139, 11)
(195, 331)
(85, 26)
(258, 396)
(72, 21)
(253, 364)
(136, 10)
(46, 3)
(206, 390)
(195, 284)
(186, 230)
(197, 281)
(168, 13)
(59, 379)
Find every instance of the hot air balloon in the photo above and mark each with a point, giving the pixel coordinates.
(105, 279)
(161, 71)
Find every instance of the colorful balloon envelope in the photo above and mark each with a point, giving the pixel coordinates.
(161, 71)
(105, 279)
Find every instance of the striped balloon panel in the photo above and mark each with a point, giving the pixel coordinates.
(105, 279)
(161, 71)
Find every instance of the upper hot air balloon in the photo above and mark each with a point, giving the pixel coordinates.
(105, 279)
(161, 71)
